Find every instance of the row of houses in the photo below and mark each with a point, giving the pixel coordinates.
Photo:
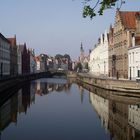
(17, 59)
(45, 62)
(14, 59)
(117, 53)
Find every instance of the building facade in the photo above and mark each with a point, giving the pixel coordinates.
(98, 63)
(25, 59)
(134, 63)
(13, 56)
(127, 25)
(19, 60)
(4, 56)
(32, 61)
(101, 106)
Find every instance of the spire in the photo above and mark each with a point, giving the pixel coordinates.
(81, 49)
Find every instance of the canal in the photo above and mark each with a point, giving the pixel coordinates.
(60, 109)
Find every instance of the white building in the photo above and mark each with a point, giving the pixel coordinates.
(99, 56)
(4, 56)
(37, 64)
(134, 62)
(94, 62)
(134, 116)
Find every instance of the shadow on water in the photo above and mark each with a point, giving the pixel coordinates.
(18, 99)
(119, 115)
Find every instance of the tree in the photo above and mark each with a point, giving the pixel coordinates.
(58, 56)
(97, 7)
(67, 56)
(86, 65)
(78, 66)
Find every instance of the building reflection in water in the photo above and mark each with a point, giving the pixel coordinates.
(43, 88)
(134, 120)
(101, 106)
(21, 101)
(120, 119)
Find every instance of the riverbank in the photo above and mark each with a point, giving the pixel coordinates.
(110, 84)
(7, 83)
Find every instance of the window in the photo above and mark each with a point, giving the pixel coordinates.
(133, 57)
(138, 73)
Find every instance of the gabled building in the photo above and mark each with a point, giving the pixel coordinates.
(41, 63)
(134, 53)
(19, 60)
(37, 64)
(13, 56)
(98, 63)
(4, 56)
(25, 59)
(112, 57)
(126, 32)
(50, 63)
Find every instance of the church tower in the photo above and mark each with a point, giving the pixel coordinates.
(81, 53)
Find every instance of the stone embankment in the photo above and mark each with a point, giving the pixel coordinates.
(110, 84)
(7, 83)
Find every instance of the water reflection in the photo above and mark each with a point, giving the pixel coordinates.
(101, 106)
(21, 101)
(118, 115)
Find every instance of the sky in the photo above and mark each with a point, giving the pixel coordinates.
(55, 27)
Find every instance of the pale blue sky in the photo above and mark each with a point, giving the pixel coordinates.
(53, 27)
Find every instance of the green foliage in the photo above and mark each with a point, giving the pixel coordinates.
(67, 56)
(92, 7)
(86, 65)
(59, 56)
(78, 66)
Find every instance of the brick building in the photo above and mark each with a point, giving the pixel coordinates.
(126, 31)
(25, 56)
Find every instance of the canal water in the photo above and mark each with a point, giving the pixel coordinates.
(60, 109)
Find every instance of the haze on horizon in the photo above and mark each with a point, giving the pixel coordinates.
(55, 27)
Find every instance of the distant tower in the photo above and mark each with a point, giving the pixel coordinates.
(81, 53)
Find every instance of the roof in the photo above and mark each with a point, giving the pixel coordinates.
(37, 58)
(12, 41)
(129, 18)
(1, 36)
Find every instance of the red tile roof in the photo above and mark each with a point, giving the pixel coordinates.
(129, 18)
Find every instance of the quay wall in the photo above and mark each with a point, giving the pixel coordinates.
(7, 83)
(110, 84)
